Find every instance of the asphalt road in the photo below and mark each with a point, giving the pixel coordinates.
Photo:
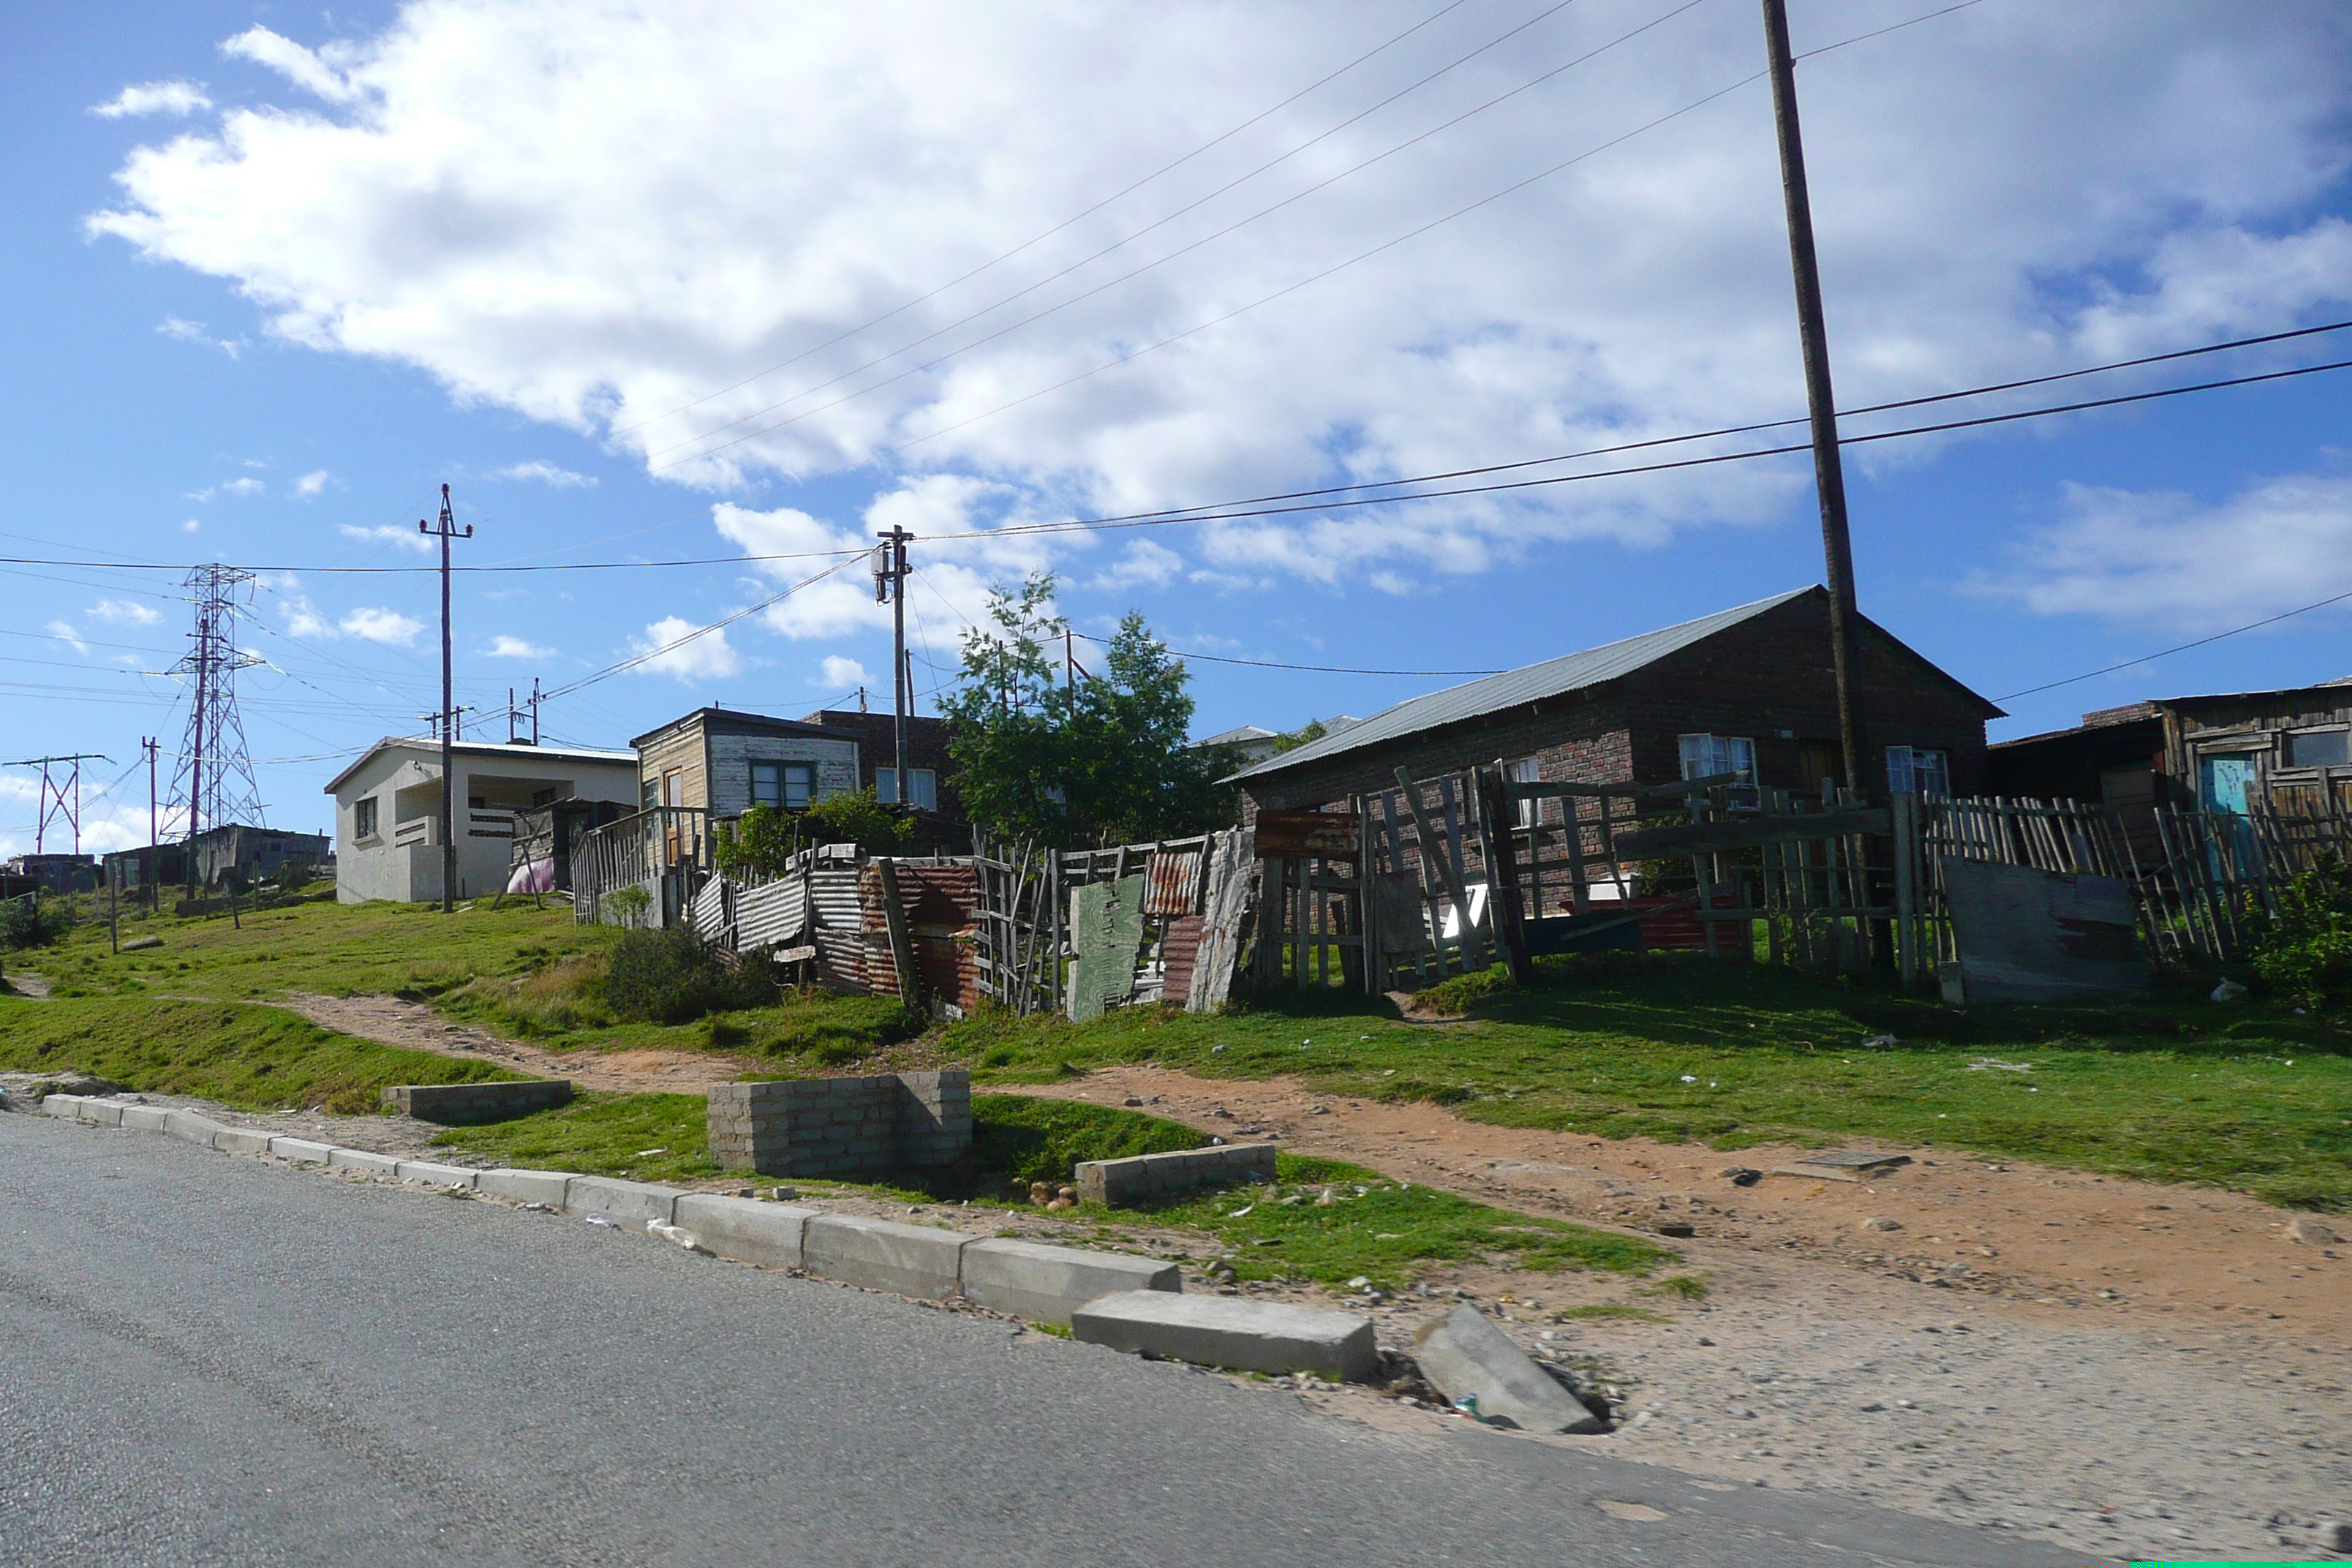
(208, 1360)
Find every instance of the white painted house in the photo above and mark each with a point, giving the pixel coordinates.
(388, 810)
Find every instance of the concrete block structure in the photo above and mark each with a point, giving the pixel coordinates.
(1143, 1177)
(842, 1126)
(464, 1104)
(1229, 1331)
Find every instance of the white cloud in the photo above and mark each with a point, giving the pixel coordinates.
(243, 486)
(190, 526)
(708, 655)
(1142, 564)
(312, 483)
(65, 633)
(840, 674)
(387, 627)
(2169, 559)
(319, 72)
(539, 472)
(125, 612)
(505, 646)
(303, 619)
(194, 332)
(154, 98)
(387, 533)
(596, 215)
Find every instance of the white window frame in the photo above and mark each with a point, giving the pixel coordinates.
(1919, 770)
(1704, 755)
(923, 784)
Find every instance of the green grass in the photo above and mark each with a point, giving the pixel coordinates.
(2177, 1089)
(256, 1059)
(1385, 1230)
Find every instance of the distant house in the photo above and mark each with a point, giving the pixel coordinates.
(236, 851)
(388, 810)
(1256, 745)
(1746, 691)
(725, 762)
(57, 873)
(930, 785)
(2291, 747)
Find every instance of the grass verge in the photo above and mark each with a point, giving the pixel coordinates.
(256, 1059)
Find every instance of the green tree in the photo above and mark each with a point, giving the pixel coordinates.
(1105, 757)
(764, 838)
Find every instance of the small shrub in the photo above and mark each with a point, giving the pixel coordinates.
(2304, 950)
(668, 977)
(29, 923)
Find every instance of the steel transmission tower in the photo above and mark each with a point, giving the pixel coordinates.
(214, 779)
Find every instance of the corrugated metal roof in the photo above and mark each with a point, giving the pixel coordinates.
(1570, 672)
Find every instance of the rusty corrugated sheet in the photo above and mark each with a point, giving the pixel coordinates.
(1179, 948)
(1174, 884)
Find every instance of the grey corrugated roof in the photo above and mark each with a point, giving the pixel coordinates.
(1570, 672)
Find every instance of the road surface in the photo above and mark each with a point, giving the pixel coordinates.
(208, 1360)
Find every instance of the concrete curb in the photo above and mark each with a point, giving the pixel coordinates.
(1023, 1278)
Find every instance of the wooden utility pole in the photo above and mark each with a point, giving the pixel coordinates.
(1829, 472)
(154, 873)
(445, 532)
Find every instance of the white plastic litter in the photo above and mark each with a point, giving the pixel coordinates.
(676, 1234)
(2228, 991)
(600, 1219)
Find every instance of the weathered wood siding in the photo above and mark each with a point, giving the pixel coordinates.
(679, 747)
(732, 752)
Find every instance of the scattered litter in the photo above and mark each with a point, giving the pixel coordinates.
(1690, 1078)
(1358, 1282)
(1241, 1211)
(538, 1208)
(1216, 1050)
(1988, 1064)
(1880, 1042)
(1387, 1236)
(1743, 1175)
(647, 1153)
(2228, 991)
(1132, 1100)
(671, 1233)
(600, 1219)
(1843, 1166)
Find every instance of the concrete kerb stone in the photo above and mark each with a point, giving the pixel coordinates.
(143, 1118)
(1045, 1284)
(239, 1139)
(524, 1187)
(301, 1150)
(183, 1124)
(912, 1260)
(100, 1114)
(440, 1176)
(66, 1105)
(745, 1229)
(629, 1203)
(1464, 1356)
(1229, 1331)
(361, 1160)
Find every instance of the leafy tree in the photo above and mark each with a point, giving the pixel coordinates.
(1291, 741)
(1105, 757)
(764, 837)
(2303, 948)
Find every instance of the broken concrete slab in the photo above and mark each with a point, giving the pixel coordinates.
(524, 1187)
(1229, 1331)
(1844, 1165)
(912, 1260)
(24, 1091)
(1464, 1356)
(2305, 1231)
(745, 1229)
(1045, 1284)
(301, 1150)
(630, 1203)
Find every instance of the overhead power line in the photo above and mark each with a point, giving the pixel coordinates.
(2181, 648)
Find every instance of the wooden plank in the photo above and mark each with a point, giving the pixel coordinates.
(1431, 851)
(1502, 876)
(1750, 832)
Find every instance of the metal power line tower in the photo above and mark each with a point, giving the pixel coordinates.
(214, 779)
(60, 798)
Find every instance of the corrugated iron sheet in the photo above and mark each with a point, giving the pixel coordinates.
(1174, 883)
(770, 915)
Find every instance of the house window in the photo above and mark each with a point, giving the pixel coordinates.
(1707, 755)
(768, 785)
(673, 788)
(649, 795)
(1526, 770)
(363, 818)
(1914, 770)
(2320, 749)
(922, 785)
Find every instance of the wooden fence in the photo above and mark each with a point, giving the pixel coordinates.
(665, 850)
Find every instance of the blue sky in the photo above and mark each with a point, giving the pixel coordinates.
(279, 272)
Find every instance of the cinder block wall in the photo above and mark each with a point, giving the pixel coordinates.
(841, 1126)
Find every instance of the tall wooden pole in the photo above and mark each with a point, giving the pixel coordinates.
(1828, 473)
(445, 531)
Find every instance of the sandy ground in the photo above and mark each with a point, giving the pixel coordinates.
(2129, 1369)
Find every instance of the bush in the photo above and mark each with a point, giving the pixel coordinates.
(25, 922)
(2303, 948)
(668, 977)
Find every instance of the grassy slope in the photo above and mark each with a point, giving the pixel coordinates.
(2177, 1089)
(256, 1058)
(1376, 1227)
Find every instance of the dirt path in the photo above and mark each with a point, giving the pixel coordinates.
(413, 1024)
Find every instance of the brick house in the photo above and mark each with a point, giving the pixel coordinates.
(1748, 689)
